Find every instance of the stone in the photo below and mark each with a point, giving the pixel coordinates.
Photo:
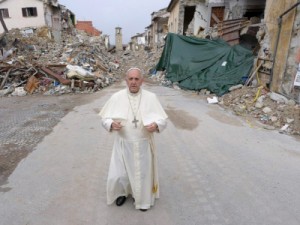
(254, 83)
(261, 99)
(176, 87)
(277, 124)
(267, 110)
(235, 87)
(268, 127)
(7, 91)
(273, 118)
(259, 105)
(278, 98)
(19, 91)
(284, 128)
(288, 120)
(291, 102)
(203, 91)
(281, 108)
(239, 109)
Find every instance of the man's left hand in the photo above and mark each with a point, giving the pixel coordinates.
(152, 127)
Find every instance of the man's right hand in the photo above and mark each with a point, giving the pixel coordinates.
(116, 126)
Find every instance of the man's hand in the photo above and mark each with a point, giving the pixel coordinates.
(116, 126)
(152, 127)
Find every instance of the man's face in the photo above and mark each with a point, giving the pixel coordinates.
(134, 81)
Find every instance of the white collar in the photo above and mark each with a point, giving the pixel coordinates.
(134, 94)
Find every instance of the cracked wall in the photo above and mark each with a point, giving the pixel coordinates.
(293, 61)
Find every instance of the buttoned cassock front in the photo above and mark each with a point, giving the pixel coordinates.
(133, 166)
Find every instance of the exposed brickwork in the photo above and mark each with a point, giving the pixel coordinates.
(88, 27)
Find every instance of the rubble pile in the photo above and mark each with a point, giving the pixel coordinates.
(146, 60)
(274, 111)
(32, 62)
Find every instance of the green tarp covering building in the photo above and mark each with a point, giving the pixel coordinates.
(204, 64)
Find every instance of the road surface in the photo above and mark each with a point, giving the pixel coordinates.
(215, 169)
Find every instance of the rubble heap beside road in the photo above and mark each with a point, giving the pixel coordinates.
(274, 111)
(33, 63)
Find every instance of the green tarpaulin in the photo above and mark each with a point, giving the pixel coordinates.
(204, 64)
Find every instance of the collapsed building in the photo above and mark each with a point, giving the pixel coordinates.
(36, 13)
(158, 28)
(269, 28)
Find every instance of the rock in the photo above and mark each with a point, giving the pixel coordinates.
(203, 91)
(268, 127)
(176, 87)
(239, 109)
(288, 120)
(278, 98)
(284, 128)
(277, 124)
(273, 118)
(235, 87)
(259, 105)
(291, 102)
(19, 91)
(267, 110)
(7, 91)
(254, 83)
(261, 99)
(281, 108)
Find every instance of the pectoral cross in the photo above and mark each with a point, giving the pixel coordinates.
(135, 121)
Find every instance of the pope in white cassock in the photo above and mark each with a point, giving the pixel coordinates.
(133, 114)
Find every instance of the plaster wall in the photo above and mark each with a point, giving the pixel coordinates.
(201, 17)
(174, 18)
(16, 19)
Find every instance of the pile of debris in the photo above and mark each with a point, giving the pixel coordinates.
(31, 62)
(146, 60)
(274, 111)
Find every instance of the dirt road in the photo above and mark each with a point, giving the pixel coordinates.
(215, 169)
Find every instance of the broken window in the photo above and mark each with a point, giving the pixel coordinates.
(4, 13)
(29, 12)
(189, 12)
(217, 15)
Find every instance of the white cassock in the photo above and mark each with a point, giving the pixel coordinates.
(133, 166)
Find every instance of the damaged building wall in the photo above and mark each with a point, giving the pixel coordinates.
(236, 9)
(159, 27)
(200, 18)
(216, 12)
(274, 8)
(56, 27)
(16, 18)
(292, 65)
(189, 17)
(137, 42)
(181, 15)
(159, 31)
(187, 9)
(174, 16)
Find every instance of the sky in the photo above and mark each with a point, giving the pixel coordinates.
(132, 15)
